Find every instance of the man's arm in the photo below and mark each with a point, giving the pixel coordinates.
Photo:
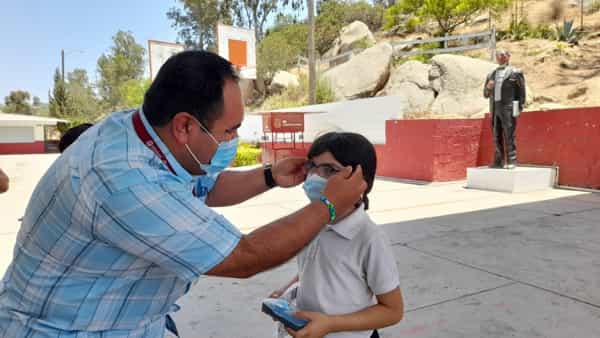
(275, 243)
(4, 182)
(233, 187)
(487, 88)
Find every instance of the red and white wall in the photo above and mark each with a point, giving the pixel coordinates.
(442, 150)
(23, 134)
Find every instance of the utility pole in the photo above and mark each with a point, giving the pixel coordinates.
(311, 53)
(581, 17)
(62, 61)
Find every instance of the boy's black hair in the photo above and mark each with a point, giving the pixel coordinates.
(71, 135)
(192, 82)
(350, 149)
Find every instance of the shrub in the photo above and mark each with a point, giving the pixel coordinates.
(247, 154)
(297, 96)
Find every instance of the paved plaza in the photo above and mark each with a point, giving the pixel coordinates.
(472, 263)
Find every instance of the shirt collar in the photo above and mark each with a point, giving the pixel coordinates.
(179, 170)
(351, 225)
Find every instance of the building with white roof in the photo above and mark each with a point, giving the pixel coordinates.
(26, 134)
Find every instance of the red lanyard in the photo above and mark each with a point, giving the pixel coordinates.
(143, 134)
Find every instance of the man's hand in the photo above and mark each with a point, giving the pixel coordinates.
(345, 189)
(318, 327)
(289, 172)
(490, 84)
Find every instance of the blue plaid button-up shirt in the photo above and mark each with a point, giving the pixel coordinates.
(110, 240)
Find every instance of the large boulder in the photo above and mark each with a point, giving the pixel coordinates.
(364, 75)
(351, 37)
(419, 100)
(459, 81)
(247, 87)
(282, 80)
(411, 80)
(412, 71)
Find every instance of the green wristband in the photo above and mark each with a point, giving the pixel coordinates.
(331, 208)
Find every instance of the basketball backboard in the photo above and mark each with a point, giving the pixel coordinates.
(238, 45)
(159, 52)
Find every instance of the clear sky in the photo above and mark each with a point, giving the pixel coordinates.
(32, 33)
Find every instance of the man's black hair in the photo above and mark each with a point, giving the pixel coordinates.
(190, 81)
(71, 135)
(350, 149)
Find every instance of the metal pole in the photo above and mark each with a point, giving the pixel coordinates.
(311, 53)
(581, 24)
(62, 59)
(493, 42)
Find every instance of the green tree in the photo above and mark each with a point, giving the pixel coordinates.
(197, 20)
(255, 13)
(82, 94)
(274, 53)
(36, 101)
(448, 14)
(124, 62)
(17, 102)
(133, 91)
(60, 103)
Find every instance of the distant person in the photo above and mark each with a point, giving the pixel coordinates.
(505, 88)
(4, 182)
(347, 278)
(71, 135)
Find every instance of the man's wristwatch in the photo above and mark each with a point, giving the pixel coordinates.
(269, 180)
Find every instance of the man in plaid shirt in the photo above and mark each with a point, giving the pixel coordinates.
(121, 224)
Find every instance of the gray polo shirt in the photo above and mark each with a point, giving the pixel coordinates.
(344, 267)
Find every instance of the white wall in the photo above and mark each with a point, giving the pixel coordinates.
(18, 134)
(364, 116)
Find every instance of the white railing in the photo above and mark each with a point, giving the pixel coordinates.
(466, 42)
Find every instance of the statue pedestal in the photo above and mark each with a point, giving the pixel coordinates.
(520, 179)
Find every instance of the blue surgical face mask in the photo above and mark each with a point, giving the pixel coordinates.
(221, 159)
(314, 186)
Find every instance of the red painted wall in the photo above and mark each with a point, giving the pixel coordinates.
(37, 147)
(442, 150)
(430, 150)
(569, 138)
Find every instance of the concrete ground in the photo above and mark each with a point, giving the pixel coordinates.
(472, 263)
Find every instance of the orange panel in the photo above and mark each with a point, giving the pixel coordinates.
(237, 52)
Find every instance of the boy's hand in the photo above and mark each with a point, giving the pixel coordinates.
(345, 188)
(277, 293)
(319, 326)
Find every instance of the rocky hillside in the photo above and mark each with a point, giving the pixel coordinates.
(558, 74)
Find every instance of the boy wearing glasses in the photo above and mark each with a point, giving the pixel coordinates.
(347, 277)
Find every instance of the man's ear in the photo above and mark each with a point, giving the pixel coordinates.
(181, 127)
